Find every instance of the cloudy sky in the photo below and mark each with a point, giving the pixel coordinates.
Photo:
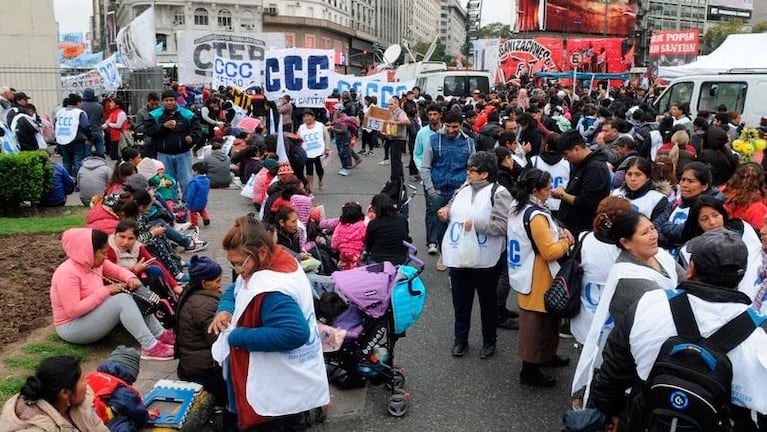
(496, 11)
(72, 15)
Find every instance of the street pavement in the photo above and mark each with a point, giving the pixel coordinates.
(446, 393)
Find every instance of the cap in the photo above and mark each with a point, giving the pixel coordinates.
(168, 94)
(721, 253)
(557, 109)
(20, 96)
(561, 94)
(202, 268)
(128, 358)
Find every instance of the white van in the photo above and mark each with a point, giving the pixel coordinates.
(453, 83)
(744, 92)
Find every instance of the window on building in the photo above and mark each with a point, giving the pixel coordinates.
(310, 12)
(290, 40)
(225, 19)
(200, 17)
(310, 41)
(161, 40)
(179, 18)
(248, 20)
(326, 44)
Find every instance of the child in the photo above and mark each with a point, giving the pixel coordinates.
(115, 400)
(197, 194)
(349, 236)
(165, 184)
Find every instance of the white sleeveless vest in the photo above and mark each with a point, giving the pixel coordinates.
(67, 125)
(602, 324)
(679, 215)
(521, 256)
(560, 176)
(314, 140)
(597, 259)
(478, 209)
(644, 204)
(280, 383)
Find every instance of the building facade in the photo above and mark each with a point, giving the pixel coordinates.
(452, 26)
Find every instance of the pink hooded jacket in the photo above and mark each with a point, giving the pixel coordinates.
(76, 287)
(349, 237)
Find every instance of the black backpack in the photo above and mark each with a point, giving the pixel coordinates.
(690, 385)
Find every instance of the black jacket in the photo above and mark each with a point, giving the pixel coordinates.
(590, 183)
(488, 136)
(533, 136)
(466, 128)
(173, 141)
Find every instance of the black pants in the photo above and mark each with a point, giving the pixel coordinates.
(288, 423)
(315, 164)
(397, 147)
(464, 282)
(411, 166)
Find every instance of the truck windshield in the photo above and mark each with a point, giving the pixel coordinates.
(680, 93)
(463, 85)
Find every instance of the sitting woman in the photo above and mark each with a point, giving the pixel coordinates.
(107, 212)
(288, 235)
(127, 252)
(386, 232)
(85, 310)
(120, 175)
(268, 335)
(55, 398)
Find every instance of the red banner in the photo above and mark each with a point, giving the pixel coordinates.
(518, 57)
(674, 43)
(598, 55)
(529, 15)
(590, 16)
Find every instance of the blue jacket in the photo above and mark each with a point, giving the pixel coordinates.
(130, 411)
(63, 185)
(443, 167)
(197, 193)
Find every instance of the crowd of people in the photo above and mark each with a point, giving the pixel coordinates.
(514, 182)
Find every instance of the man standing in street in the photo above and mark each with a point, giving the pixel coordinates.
(443, 170)
(174, 132)
(95, 113)
(143, 119)
(422, 140)
(397, 137)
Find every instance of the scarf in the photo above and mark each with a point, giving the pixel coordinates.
(542, 204)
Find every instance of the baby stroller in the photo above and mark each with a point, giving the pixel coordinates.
(397, 190)
(381, 301)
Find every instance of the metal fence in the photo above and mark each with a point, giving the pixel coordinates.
(43, 85)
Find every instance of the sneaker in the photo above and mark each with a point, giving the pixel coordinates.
(196, 246)
(487, 350)
(433, 249)
(507, 324)
(440, 265)
(160, 352)
(344, 172)
(370, 153)
(167, 337)
(384, 162)
(415, 178)
(206, 222)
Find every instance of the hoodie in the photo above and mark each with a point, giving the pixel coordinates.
(92, 178)
(219, 172)
(76, 287)
(127, 405)
(349, 238)
(488, 135)
(20, 415)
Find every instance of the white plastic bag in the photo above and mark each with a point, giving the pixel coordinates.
(247, 188)
(467, 251)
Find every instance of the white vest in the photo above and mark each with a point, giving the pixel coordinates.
(597, 258)
(288, 382)
(560, 176)
(67, 125)
(679, 215)
(41, 144)
(521, 256)
(644, 204)
(603, 323)
(478, 208)
(314, 140)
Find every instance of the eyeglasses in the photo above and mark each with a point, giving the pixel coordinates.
(238, 266)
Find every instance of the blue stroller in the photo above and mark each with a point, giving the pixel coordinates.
(379, 303)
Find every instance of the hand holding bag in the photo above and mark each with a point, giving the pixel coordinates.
(467, 252)
(563, 298)
(148, 301)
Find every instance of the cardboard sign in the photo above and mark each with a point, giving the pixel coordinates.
(377, 119)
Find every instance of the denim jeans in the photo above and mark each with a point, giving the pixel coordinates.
(179, 166)
(98, 141)
(464, 282)
(72, 156)
(342, 145)
(171, 233)
(436, 230)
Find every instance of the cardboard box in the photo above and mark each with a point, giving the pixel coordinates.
(376, 119)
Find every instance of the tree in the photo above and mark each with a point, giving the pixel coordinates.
(439, 53)
(494, 30)
(718, 33)
(759, 28)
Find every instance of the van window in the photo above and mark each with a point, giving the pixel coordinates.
(463, 85)
(730, 94)
(678, 93)
(421, 84)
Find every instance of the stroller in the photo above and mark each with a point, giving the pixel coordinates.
(397, 190)
(380, 302)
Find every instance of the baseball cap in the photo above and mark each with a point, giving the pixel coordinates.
(720, 256)
(20, 96)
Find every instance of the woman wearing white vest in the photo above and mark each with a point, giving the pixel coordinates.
(638, 188)
(640, 267)
(480, 206)
(597, 256)
(535, 242)
(695, 181)
(268, 345)
(316, 139)
(708, 213)
(552, 161)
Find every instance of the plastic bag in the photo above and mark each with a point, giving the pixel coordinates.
(247, 188)
(467, 251)
(325, 159)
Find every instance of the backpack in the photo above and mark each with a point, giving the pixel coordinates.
(690, 385)
(563, 298)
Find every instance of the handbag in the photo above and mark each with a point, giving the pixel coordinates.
(563, 298)
(148, 301)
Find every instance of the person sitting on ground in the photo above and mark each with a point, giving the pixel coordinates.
(126, 251)
(145, 166)
(93, 177)
(349, 236)
(219, 166)
(116, 401)
(106, 212)
(63, 185)
(55, 398)
(121, 173)
(85, 310)
(287, 231)
(165, 185)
